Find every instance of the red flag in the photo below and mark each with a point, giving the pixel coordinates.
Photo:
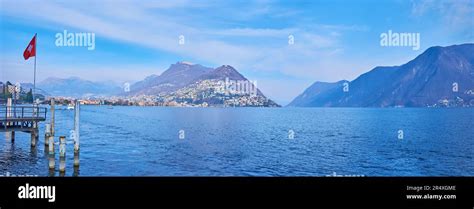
(30, 50)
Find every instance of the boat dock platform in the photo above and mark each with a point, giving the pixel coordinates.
(23, 119)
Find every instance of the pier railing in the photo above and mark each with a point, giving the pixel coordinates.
(22, 113)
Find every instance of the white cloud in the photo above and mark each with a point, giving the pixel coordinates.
(140, 26)
(256, 32)
(315, 54)
(458, 15)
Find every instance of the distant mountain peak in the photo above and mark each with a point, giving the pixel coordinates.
(185, 63)
(225, 68)
(223, 72)
(175, 77)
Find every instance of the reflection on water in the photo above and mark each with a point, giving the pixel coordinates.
(33, 154)
(76, 171)
(52, 173)
(145, 141)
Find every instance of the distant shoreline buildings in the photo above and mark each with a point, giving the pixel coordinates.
(147, 100)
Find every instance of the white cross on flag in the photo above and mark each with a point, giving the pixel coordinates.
(30, 50)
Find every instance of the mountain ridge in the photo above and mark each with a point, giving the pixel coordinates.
(199, 85)
(77, 87)
(175, 77)
(427, 80)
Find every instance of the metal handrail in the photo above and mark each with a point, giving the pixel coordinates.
(18, 112)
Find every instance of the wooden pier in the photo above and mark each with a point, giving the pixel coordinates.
(21, 118)
(26, 119)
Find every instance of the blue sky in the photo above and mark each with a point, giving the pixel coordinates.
(333, 40)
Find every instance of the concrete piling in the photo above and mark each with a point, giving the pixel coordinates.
(52, 117)
(62, 154)
(62, 146)
(51, 157)
(9, 134)
(51, 146)
(47, 133)
(34, 137)
(76, 159)
(76, 134)
(34, 131)
(76, 126)
(51, 162)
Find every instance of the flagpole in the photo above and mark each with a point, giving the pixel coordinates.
(34, 77)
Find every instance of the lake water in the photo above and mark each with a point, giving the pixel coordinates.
(145, 141)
